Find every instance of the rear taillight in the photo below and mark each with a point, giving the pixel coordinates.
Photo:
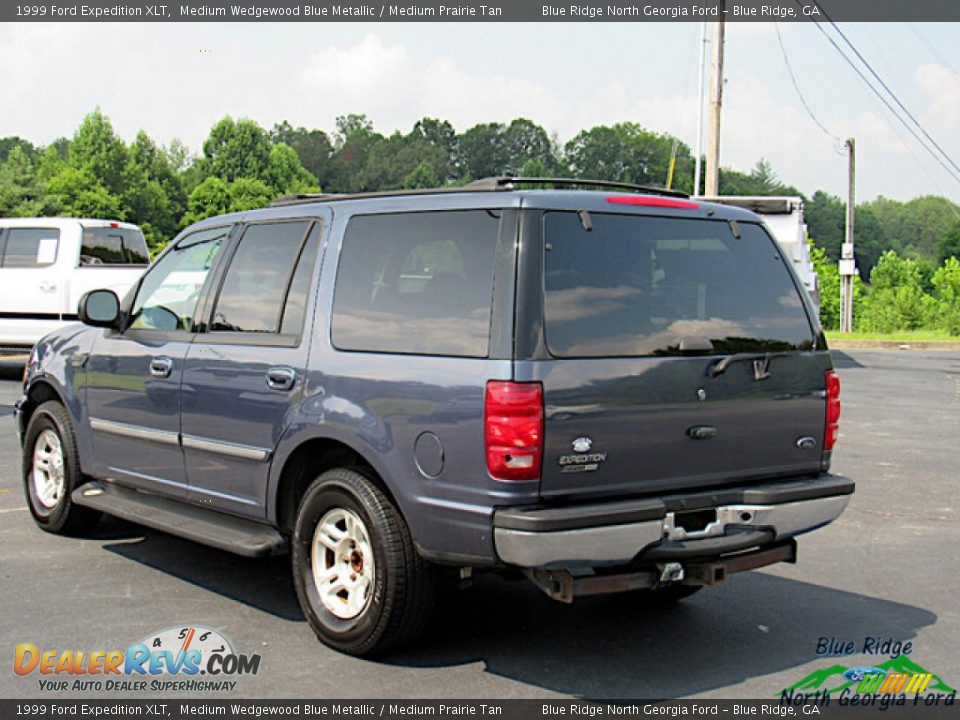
(513, 429)
(833, 410)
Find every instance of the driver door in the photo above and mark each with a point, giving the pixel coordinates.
(133, 377)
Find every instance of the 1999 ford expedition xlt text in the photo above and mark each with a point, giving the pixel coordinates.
(608, 390)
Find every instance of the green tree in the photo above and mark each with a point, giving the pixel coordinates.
(285, 174)
(825, 216)
(236, 149)
(762, 180)
(153, 194)
(22, 193)
(7, 144)
(440, 135)
(625, 152)
(209, 198)
(946, 282)
(249, 194)
(96, 149)
(313, 148)
(948, 246)
(896, 300)
(422, 176)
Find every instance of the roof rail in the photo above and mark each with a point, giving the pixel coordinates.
(508, 183)
(490, 184)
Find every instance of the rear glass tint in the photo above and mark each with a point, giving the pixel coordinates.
(30, 247)
(417, 283)
(637, 285)
(113, 246)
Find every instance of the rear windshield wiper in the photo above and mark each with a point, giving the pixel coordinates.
(761, 363)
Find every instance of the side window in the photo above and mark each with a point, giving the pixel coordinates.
(167, 299)
(255, 286)
(416, 283)
(113, 246)
(296, 305)
(31, 247)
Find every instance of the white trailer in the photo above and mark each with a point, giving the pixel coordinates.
(784, 217)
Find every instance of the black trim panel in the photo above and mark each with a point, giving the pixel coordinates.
(66, 317)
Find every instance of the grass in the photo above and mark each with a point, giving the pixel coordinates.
(905, 336)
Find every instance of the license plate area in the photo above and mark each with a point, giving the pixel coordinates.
(685, 524)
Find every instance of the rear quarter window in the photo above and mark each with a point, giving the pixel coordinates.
(637, 285)
(416, 283)
(113, 246)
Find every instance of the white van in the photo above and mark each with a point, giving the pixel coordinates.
(47, 264)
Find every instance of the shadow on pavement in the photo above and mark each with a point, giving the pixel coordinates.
(599, 648)
(264, 583)
(842, 360)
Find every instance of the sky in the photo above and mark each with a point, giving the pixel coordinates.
(177, 80)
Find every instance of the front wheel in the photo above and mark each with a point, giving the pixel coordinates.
(361, 583)
(51, 471)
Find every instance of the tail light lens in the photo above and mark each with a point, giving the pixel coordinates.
(513, 429)
(833, 410)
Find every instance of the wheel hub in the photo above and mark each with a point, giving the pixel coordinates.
(47, 471)
(342, 562)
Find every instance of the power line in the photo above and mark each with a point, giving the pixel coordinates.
(796, 86)
(884, 100)
(893, 95)
(934, 52)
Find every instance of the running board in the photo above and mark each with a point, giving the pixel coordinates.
(226, 532)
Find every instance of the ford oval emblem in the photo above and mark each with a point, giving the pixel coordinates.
(582, 445)
(806, 443)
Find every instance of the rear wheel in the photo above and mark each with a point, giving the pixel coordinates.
(51, 471)
(359, 579)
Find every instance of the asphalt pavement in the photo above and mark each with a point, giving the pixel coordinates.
(887, 568)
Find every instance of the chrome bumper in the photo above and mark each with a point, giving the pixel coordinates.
(654, 529)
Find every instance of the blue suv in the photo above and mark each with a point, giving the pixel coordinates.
(608, 390)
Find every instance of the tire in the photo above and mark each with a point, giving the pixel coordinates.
(361, 583)
(51, 472)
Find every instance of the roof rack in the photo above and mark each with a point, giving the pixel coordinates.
(508, 183)
(489, 184)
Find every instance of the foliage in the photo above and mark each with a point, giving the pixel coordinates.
(946, 283)
(897, 300)
(948, 245)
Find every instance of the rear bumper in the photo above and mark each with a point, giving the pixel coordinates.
(668, 528)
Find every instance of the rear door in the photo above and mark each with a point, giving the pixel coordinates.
(32, 286)
(651, 329)
(244, 375)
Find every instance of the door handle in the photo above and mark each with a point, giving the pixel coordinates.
(48, 287)
(161, 366)
(281, 378)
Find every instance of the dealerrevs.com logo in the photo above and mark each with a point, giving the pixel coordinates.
(189, 658)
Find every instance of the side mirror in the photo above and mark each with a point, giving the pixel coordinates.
(100, 308)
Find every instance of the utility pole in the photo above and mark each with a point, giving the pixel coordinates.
(697, 162)
(848, 263)
(716, 103)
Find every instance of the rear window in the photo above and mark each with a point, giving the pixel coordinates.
(636, 285)
(417, 283)
(30, 247)
(113, 246)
